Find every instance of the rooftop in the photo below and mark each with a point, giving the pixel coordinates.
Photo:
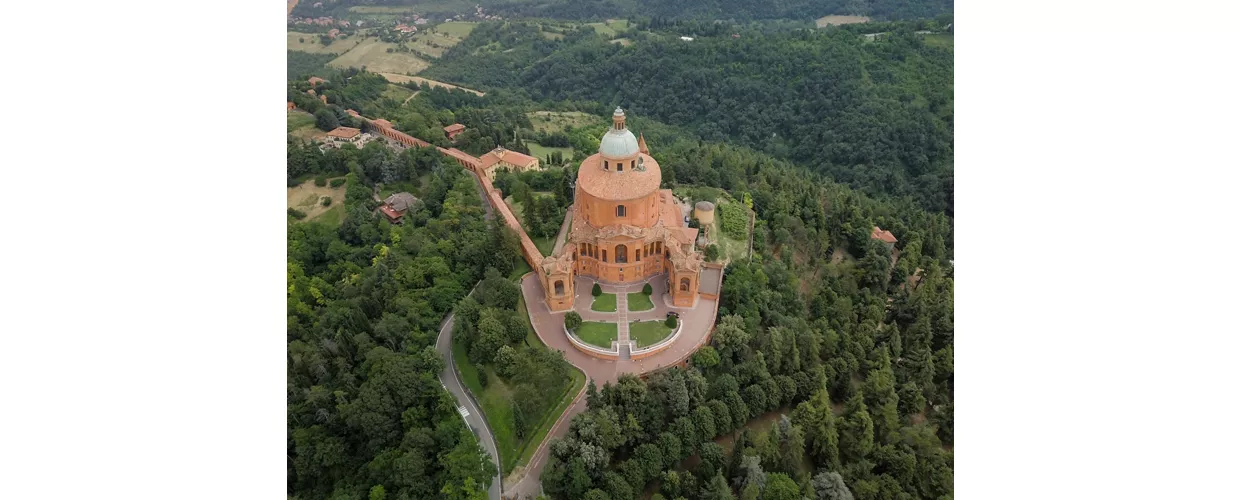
(400, 201)
(344, 132)
(882, 235)
(381, 122)
(612, 185)
(455, 127)
(507, 156)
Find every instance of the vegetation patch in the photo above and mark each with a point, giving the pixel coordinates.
(542, 152)
(825, 21)
(308, 198)
(598, 333)
(312, 43)
(604, 303)
(373, 54)
(557, 121)
(648, 333)
(456, 29)
(640, 302)
(399, 78)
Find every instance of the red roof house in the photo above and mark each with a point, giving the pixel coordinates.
(883, 235)
(453, 130)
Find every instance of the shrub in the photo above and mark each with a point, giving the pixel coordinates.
(572, 320)
(671, 322)
(296, 214)
(320, 181)
(712, 252)
(482, 378)
(647, 289)
(596, 291)
(327, 201)
(337, 182)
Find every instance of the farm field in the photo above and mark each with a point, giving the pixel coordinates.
(555, 121)
(308, 198)
(640, 302)
(604, 303)
(945, 40)
(456, 29)
(397, 93)
(825, 21)
(599, 334)
(610, 27)
(399, 78)
(373, 54)
(624, 42)
(647, 333)
(421, 8)
(309, 42)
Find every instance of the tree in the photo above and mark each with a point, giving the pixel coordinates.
(856, 430)
(648, 290)
(830, 486)
(596, 290)
(781, 487)
(712, 252)
(572, 320)
(706, 358)
(492, 334)
(670, 322)
(717, 489)
(712, 459)
(325, 120)
(506, 361)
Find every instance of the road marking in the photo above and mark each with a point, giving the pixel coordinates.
(462, 411)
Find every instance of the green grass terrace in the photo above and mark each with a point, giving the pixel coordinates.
(598, 334)
(604, 303)
(640, 302)
(648, 333)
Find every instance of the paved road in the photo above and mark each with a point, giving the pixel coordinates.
(473, 415)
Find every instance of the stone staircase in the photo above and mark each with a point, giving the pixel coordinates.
(622, 321)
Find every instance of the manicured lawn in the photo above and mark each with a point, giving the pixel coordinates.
(545, 245)
(458, 29)
(599, 334)
(333, 215)
(646, 333)
(604, 303)
(541, 152)
(640, 302)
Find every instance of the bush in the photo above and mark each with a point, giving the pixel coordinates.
(327, 201)
(337, 182)
(296, 214)
(572, 320)
(712, 252)
(671, 322)
(647, 289)
(596, 291)
(320, 181)
(482, 378)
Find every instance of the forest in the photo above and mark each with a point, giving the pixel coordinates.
(874, 115)
(707, 10)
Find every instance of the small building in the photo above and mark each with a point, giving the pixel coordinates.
(380, 122)
(884, 236)
(352, 113)
(333, 33)
(396, 206)
(323, 98)
(291, 106)
(502, 158)
(453, 130)
(704, 212)
(315, 81)
(340, 136)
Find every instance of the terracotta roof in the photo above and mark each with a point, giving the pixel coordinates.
(352, 112)
(381, 122)
(344, 132)
(314, 80)
(616, 186)
(455, 127)
(512, 157)
(641, 144)
(400, 201)
(882, 235)
(392, 214)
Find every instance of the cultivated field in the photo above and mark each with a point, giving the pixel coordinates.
(398, 78)
(624, 42)
(428, 7)
(555, 121)
(455, 29)
(373, 54)
(309, 42)
(309, 198)
(611, 27)
(825, 21)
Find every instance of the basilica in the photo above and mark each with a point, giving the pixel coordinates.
(625, 230)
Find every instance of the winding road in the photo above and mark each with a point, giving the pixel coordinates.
(472, 414)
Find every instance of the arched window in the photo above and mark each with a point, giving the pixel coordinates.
(559, 288)
(622, 254)
(684, 284)
(619, 210)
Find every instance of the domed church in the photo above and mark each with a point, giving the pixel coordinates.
(625, 229)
